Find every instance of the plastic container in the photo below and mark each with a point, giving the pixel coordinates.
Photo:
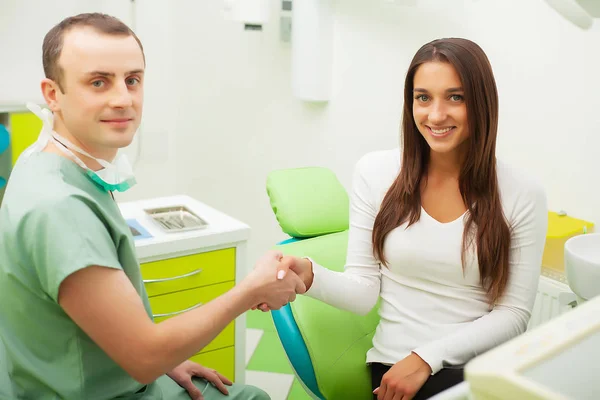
(561, 228)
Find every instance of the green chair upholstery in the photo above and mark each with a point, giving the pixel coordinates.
(326, 346)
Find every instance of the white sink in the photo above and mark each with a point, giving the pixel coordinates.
(582, 265)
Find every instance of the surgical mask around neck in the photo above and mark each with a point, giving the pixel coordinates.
(116, 175)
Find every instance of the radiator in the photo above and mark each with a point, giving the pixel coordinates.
(553, 298)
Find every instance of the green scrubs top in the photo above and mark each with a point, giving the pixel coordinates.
(55, 220)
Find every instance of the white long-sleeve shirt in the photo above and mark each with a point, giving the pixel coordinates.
(428, 306)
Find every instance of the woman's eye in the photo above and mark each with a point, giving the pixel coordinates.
(456, 97)
(422, 97)
(97, 83)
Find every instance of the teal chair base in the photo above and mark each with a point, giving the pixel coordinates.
(296, 349)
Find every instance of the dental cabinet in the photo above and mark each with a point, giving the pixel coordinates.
(19, 128)
(189, 254)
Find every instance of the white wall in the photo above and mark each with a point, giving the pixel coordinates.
(23, 25)
(153, 152)
(547, 73)
(237, 117)
(238, 120)
(219, 113)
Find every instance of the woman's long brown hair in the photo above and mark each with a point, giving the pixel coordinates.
(485, 222)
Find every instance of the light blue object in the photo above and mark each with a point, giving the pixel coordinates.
(290, 240)
(137, 230)
(4, 139)
(5, 159)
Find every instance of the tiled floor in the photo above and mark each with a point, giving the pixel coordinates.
(267, 366)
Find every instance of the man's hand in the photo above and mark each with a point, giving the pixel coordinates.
(270, 287)
(404, 379)
(183, 373)
(300, 266)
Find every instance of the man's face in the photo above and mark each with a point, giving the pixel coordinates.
(101, 106)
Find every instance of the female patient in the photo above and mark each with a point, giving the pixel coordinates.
(450, 238)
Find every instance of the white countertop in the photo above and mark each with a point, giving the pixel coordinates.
(222, 230)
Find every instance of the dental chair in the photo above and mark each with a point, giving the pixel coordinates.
(326, 347)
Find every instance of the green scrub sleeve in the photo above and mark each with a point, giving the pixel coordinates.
(66, 237)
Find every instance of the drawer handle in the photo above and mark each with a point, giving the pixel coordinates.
(177, 312)
(173, 278)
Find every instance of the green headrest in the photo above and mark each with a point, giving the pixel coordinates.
(308, 202)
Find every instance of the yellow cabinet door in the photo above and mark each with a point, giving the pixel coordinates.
(222, 360)
(169, 305)
(186, 272)
(25, 129)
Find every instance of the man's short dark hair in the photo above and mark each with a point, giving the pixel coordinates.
(53, 41)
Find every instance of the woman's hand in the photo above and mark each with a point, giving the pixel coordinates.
(404, 379)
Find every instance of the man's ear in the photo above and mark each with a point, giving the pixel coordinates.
(50, 91)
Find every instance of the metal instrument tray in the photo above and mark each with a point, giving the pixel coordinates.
(176, 219)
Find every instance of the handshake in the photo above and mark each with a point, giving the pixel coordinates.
(276, 280)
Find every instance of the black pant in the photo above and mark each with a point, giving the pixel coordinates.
(444, 379)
